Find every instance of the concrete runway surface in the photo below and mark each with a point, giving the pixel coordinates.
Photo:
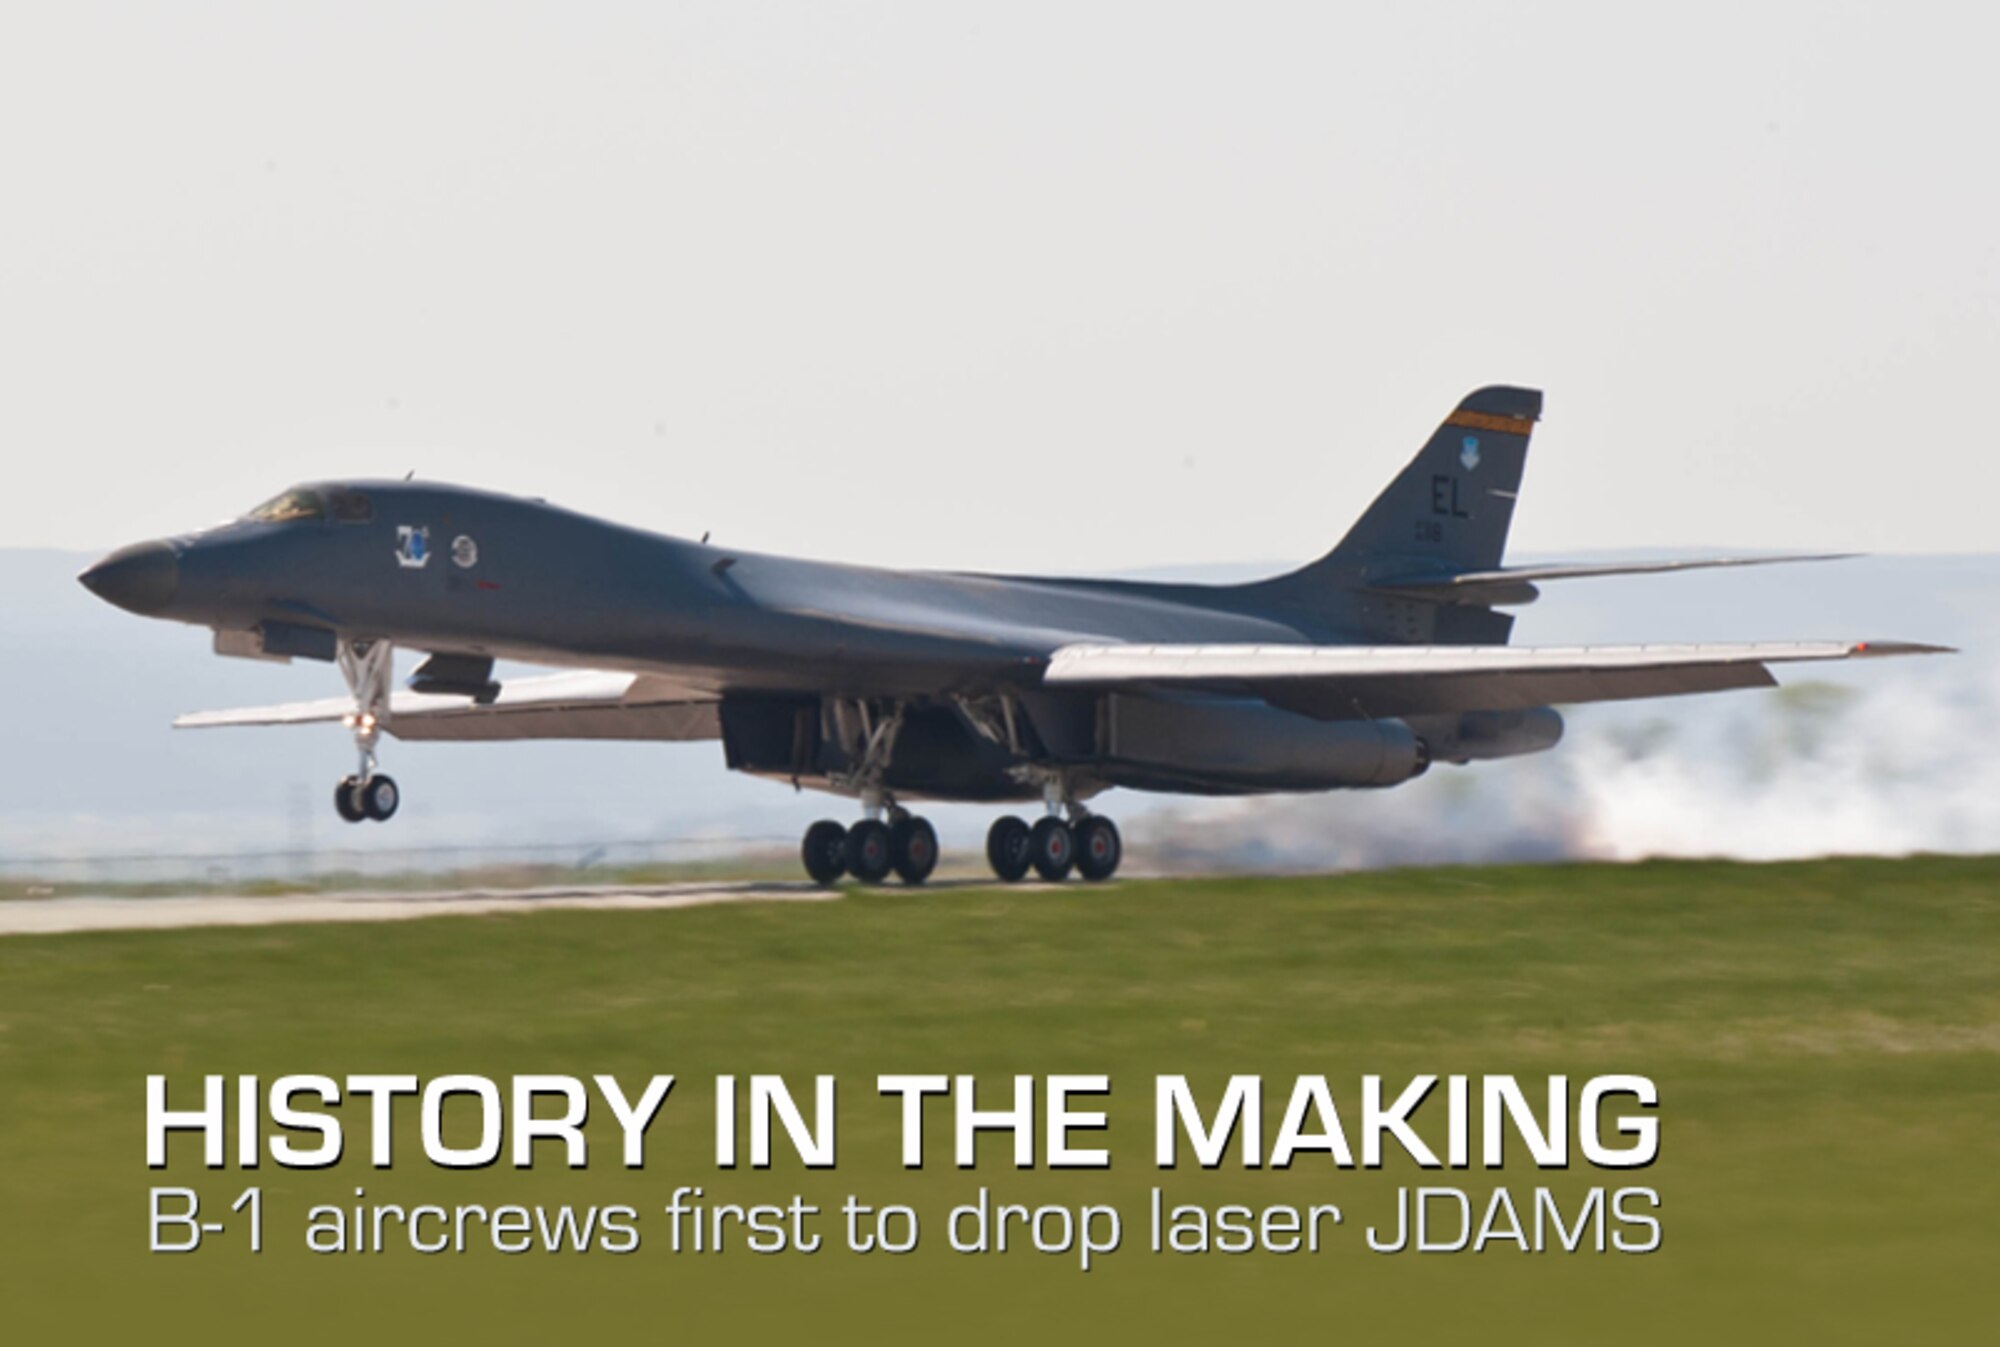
(50, 916)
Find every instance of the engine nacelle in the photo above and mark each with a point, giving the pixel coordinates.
(1227, 744)
(1480, 736)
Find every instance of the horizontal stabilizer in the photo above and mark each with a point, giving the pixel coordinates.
(1516, 584)
(1366, 682)
(584, 704)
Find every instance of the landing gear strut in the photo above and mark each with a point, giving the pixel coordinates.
(891, 839)
(888, 837)
(366, 665)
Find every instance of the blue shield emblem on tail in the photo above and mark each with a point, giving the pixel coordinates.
(1468, 452)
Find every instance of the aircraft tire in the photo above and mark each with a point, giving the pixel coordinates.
(1052, 848)
(914, 847)
(1098, 848)
(825, 852)
(1007, 848)
(346, 799)
(379, 797)
(868, 852)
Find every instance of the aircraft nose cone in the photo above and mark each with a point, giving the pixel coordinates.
(142, 578)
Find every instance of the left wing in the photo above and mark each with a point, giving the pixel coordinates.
(584, 704)
(1510, 585)
(1364, 682)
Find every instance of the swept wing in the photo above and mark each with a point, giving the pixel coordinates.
(583, 704)
(1509, 585)
(1363, 682)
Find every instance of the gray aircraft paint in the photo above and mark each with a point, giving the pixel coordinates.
(782, 646)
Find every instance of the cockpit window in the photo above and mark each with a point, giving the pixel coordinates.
(350, 507)
(290, 505)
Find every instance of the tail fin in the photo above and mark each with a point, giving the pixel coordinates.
(1447, 512)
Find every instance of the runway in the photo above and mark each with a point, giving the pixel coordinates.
(54, 916)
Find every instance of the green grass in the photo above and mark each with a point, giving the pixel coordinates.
(1825, 1036)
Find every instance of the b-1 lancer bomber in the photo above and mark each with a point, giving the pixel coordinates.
(1367, 667)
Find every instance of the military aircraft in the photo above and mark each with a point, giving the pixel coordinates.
(1363, 669)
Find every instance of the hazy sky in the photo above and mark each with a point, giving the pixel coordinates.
(1021, 286)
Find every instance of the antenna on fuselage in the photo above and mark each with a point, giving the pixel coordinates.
(408, 475)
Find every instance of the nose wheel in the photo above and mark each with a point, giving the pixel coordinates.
(347, 800)
(360, 798)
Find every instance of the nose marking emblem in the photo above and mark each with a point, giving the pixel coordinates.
(464, 551)
(413, 546)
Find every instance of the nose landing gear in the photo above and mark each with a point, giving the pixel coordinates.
(367, 794)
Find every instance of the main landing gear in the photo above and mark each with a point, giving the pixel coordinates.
(871, 849)
(1053, 846)
(907, 846)
(1090, 845)
(366, 665)
(890, 838)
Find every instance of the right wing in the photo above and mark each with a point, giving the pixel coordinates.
(584, 704)
(1366, 682)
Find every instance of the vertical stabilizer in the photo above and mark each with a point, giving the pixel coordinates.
(1450, 509)
(1447, 512)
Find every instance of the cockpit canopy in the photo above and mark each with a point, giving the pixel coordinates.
(287, 506)
(302, 503)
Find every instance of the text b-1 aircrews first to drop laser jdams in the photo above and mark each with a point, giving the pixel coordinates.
(1363, 668)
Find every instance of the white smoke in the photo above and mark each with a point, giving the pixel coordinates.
(1900, 759)
(1897, 766)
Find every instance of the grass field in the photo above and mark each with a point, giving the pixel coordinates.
(1825, 1036)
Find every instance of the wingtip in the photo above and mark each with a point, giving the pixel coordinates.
(1884, 649)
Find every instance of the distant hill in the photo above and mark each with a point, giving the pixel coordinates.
(1902, 761)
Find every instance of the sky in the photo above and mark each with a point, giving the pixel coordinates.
(1064, 287)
